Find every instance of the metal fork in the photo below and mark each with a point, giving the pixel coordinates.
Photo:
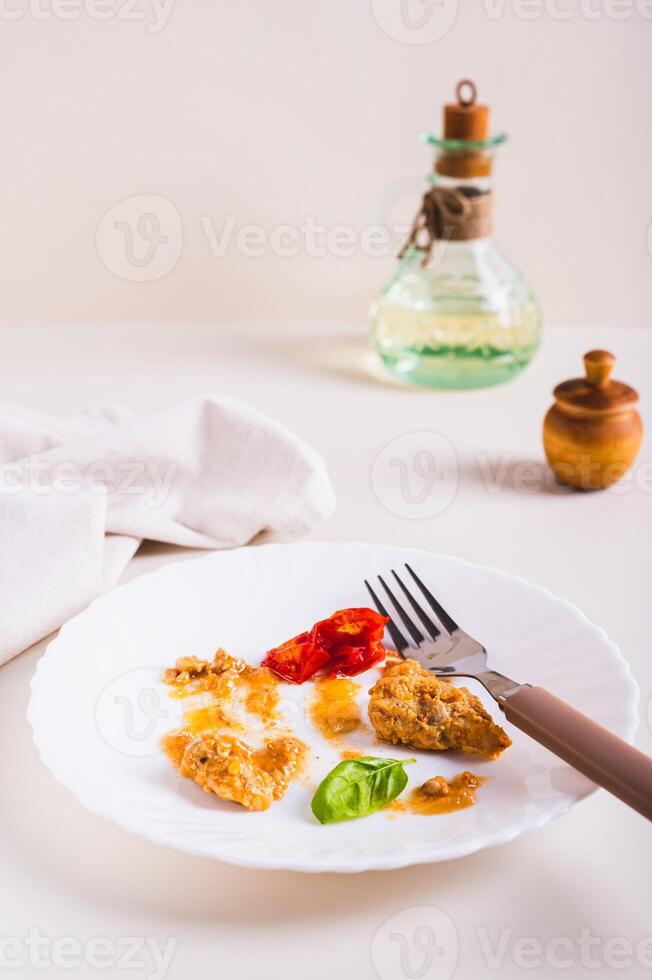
(449, 651)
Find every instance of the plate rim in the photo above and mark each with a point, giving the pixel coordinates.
(352, 865)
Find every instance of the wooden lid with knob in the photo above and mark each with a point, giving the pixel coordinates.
(596, 393)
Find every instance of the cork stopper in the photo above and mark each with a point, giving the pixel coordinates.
(465, 119)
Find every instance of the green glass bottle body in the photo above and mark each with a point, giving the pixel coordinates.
(464, 319)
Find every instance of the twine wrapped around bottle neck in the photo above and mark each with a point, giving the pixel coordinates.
(449, 214)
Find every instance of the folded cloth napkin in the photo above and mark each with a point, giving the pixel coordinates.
(78, 495)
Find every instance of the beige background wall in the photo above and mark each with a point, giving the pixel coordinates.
(212, 115)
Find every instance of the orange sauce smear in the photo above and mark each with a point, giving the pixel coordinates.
(207, 718)
(283, 764)
(396, 807)
(262, 695)
(334, 710)
(458, 794)
(256, 686)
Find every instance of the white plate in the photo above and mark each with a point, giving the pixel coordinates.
(98, 707)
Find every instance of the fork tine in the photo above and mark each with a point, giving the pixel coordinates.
(398, 639)
(421, 613)
(447, 621)
(411, 627)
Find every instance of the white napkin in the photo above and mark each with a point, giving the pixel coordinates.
(78, 495)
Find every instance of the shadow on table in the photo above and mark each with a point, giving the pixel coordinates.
(346, 357)
(495, 475)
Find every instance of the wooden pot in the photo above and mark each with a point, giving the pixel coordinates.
(592, 433)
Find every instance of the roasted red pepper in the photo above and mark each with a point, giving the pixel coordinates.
(348, 642)
(296, 660)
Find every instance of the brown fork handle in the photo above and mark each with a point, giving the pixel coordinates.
(606, 759)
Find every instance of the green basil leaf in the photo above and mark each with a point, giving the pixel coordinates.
(358, 787)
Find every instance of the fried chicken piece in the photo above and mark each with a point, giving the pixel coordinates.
(223, 765)
(190, 668)
(438, 786)
(232, 770)
(412, 706)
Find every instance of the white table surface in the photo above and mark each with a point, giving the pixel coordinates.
(67, 873)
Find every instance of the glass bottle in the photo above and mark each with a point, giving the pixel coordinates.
(456, 313)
